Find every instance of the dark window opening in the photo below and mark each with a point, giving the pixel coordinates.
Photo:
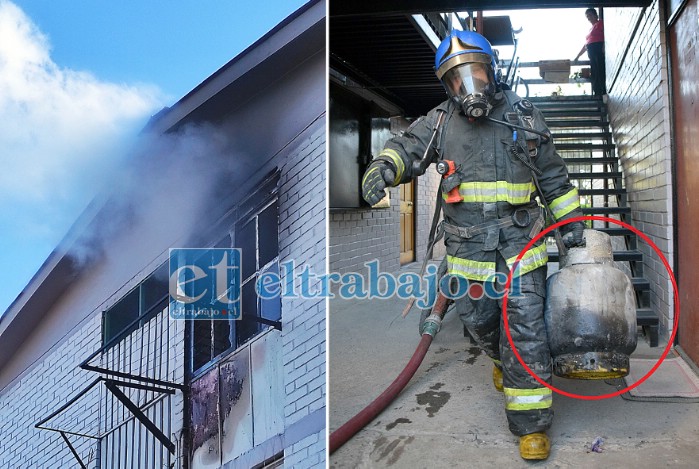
(272, 463)
(119, 316)
(137, 307)
(201, 337)
(245, 239)
(267, 228)
(357, 132)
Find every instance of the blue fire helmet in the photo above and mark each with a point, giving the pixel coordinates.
(463, 47)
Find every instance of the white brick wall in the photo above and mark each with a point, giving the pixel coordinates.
(364, 235)
(48, 385)
(359, 236)
(39, 392)
(639, 110)
(302, 239)
(307, 453)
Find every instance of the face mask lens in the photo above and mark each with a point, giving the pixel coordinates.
(467, 79)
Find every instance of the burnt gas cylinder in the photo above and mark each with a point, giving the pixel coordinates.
(590, 313)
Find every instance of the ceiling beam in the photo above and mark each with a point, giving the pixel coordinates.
(392, 7)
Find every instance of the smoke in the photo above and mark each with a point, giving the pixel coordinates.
(165, 187)
(62, 133)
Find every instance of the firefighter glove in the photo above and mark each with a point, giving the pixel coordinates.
(378, 176)
(573, 234)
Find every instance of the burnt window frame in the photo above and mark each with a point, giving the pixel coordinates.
(249, 211)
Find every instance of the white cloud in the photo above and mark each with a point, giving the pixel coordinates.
(61, 131)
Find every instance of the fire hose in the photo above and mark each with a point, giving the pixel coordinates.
(430, 328)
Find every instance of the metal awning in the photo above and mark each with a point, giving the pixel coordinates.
(393, 56)
(82, 415)
(134, 375)
(380, 49)
(388, 56)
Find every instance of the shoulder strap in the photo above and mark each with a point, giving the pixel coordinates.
(440, 138)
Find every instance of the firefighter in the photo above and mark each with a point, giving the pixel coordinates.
(492, 218)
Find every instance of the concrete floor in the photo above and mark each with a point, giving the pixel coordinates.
(450, 415)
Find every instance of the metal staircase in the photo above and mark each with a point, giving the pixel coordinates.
(580, 128)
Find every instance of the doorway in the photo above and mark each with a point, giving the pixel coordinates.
(407, 223)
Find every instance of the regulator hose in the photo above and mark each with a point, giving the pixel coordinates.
(430, 328)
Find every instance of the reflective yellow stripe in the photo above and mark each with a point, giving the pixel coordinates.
(473, 270)
(373, 187)
(532, 259)
(528, 392)
(527, 399)
(484, 271)
(565, 204)
(499, 191)
(368, 173)
(497, 362)
(397, 161)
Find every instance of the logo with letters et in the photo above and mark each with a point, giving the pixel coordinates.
(205, 283)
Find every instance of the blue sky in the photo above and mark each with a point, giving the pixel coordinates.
(78, 79)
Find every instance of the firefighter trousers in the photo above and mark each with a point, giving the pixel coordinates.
(528, 403)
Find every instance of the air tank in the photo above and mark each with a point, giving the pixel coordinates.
(590, 313)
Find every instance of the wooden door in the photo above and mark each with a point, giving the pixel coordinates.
(407, 223)
(685, 85)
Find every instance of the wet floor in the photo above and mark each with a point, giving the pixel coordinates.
(451, 416)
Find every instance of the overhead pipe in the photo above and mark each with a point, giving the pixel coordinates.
(430, 328)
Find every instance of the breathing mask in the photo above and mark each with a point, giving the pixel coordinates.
(470, 86)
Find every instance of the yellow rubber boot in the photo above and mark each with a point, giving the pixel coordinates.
(497, 378)
(534, 446)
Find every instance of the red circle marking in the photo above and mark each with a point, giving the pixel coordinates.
(675, 296)
(475, 291)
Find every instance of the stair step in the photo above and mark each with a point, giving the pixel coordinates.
(564, 103)
(570, 107)
(577, 123)
(648, 319)
(585, 146)
(628, 256)
(563, 99)
(596, 175)
(622, 256)
(601, 191)
(640, 283)
(617, 231)
(582, 135)
(606, 210)
(573, 112)
(590, 160)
